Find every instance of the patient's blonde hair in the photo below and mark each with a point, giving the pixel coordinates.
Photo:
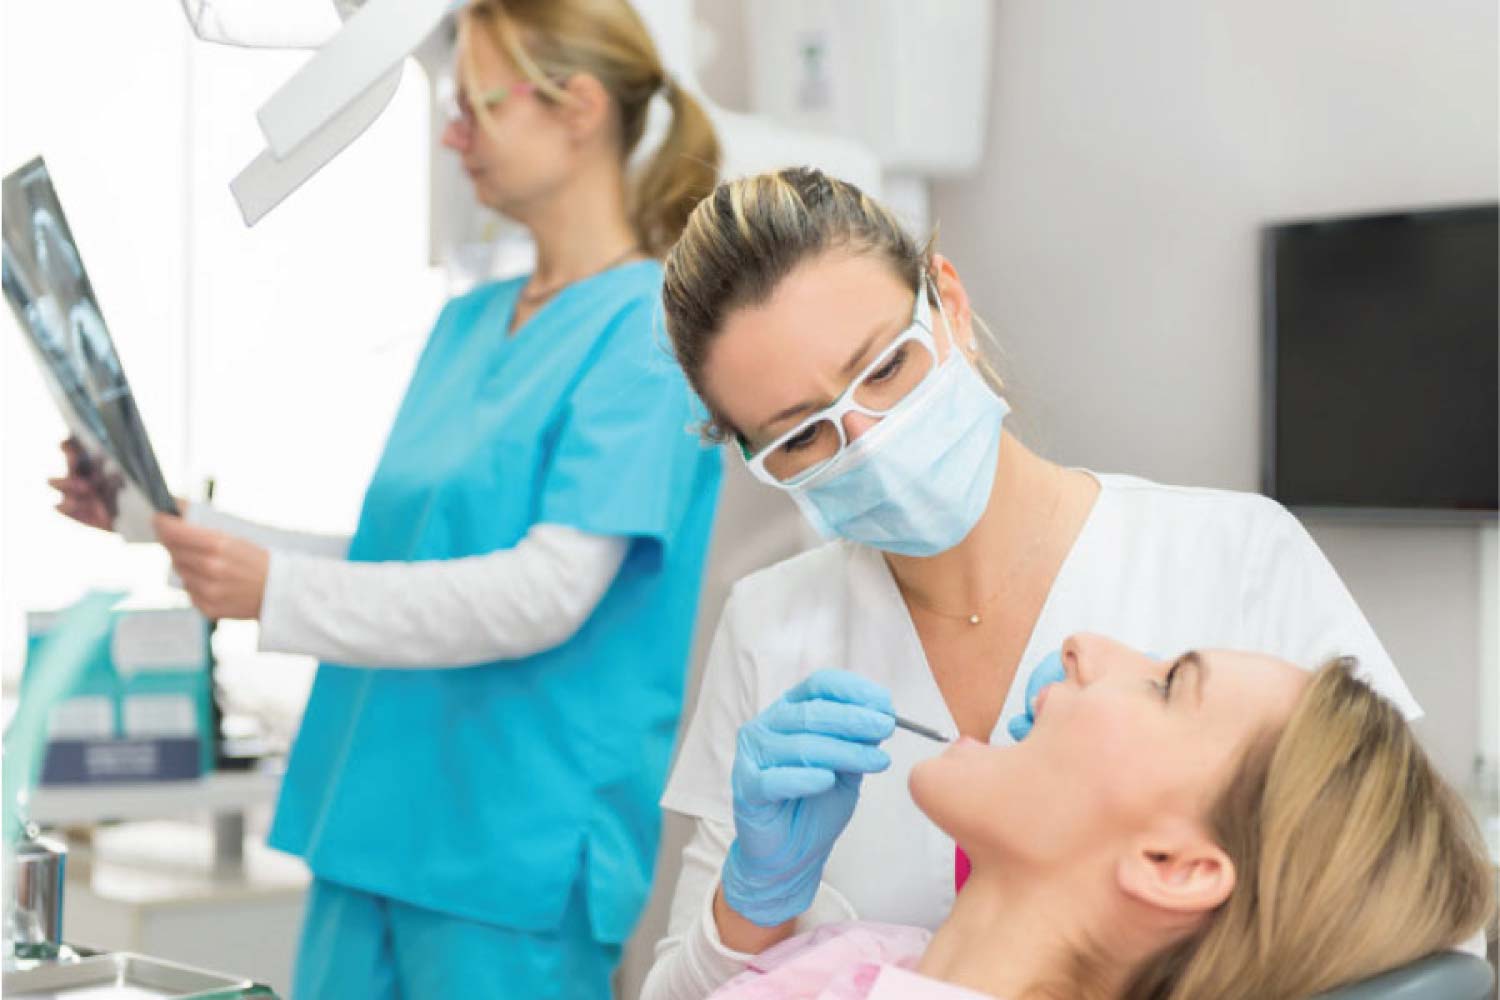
(742, 240)
(551, 40)
(1352, 857)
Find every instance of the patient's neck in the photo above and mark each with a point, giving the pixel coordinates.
(1019, 937)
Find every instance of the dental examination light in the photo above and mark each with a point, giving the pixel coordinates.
(360, 52)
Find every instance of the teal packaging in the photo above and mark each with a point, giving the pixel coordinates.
(142, 707)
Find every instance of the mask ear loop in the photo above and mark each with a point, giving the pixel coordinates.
(943, 313)
(980, 363)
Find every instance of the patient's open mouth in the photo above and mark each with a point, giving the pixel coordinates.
(1041, 699)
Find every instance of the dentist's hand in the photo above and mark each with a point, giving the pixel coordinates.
(224, 575)
(796, 777)
(1049, 671)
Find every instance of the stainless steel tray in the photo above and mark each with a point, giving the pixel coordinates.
(123, 976)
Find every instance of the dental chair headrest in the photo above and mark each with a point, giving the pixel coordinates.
(1449, 975)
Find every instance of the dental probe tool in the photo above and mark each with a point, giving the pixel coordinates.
(921, 730)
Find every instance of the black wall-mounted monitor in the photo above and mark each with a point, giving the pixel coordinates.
(1381, 363)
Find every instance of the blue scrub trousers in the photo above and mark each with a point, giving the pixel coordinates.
(359, 946)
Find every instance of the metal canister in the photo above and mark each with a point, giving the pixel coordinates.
(36, 906)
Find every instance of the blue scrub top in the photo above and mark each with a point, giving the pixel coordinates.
(484, 791)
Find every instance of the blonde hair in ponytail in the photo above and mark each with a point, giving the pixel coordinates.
(551, 40)
(681, 174)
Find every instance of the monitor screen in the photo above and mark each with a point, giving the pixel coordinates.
(1381, 362)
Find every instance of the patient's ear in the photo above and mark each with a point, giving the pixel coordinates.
(1180, 871)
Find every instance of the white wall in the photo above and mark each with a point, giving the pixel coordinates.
(271, 359)
(1133, 152)
(96, 88)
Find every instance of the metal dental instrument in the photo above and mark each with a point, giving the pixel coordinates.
(921, 730)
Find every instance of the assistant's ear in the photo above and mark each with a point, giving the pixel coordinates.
(1184, 873)
(587, 107)
(955, 302)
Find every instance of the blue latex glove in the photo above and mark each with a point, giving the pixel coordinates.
(1049, 671)
(797, 770)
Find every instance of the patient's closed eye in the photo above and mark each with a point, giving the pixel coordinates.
(1189, 659)
(1165, 687)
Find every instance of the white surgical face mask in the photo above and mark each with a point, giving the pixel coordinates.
(918, 481)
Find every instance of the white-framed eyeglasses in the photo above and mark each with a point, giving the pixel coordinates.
(794, 458)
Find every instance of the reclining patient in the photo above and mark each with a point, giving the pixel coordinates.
(1226, 826)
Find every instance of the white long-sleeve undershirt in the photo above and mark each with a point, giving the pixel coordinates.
(691, 960)
(437, 613)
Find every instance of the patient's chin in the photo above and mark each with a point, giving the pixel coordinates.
(923, 782)
(937, 788)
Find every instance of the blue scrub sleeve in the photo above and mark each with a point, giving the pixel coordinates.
(627, 459)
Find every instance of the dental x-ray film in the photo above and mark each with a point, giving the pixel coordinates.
(49, 292)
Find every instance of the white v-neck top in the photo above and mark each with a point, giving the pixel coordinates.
(1161, 568)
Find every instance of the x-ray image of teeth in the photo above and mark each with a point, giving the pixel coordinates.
(49, 292)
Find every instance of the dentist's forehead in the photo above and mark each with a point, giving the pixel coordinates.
(794, 346)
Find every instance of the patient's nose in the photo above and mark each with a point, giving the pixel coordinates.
(1075, 652)
(1088, 658)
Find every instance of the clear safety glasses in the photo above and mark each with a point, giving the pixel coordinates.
(458, 106)
(802, 452)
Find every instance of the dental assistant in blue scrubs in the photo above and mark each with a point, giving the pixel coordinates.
(504, 639)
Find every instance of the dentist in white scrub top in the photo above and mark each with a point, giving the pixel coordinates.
(838, 356)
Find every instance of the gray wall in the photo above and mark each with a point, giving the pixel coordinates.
(1133, 151)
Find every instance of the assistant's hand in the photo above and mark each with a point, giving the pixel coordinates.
(224, 575)
(88, 495)
(796, 777)
(1049, 671)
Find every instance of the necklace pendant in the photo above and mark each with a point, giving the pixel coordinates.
(974, 619)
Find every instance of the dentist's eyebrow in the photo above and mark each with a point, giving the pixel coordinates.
(856, 360)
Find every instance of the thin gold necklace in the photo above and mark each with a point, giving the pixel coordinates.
(973, 617)
(977, 617)
(532, 298)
